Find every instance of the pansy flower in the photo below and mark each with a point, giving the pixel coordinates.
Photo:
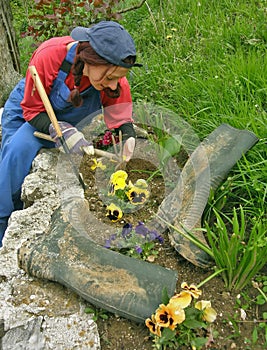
(169, 317)
(137, 195)
(141, 229)
(138, 249)
(141, 183)
(209, 314)
(127, 230)
(181, 300)
(97, 165)
(153, 326)
(114, 213)
(162, 316)
(107, 138)
(117, 181)
(192, 289)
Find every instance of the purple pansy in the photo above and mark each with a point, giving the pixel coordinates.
(141, 229)
(126, 230)
(138, 249)
(108, 243)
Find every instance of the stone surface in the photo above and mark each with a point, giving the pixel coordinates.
(38, 314)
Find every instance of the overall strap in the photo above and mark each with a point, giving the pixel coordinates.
(68, 60)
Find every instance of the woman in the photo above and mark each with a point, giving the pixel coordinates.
(81, 74)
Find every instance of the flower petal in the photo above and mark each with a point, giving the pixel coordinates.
(114, 213)
(141, 183)
(182, 300)
(118, 180)
(162, 316)
(202, 304)
(178, 316)
(97, 165)
(209, 314)
(137, 195)
(152, 326)
(192, 289)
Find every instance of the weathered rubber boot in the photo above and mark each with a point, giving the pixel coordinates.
(126, 286)
(206, 168)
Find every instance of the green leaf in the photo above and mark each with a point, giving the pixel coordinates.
(255, 335)
(89, 310)
(165, 296)
(260, 300)
(167, 334)
(199, 342)
(192, 324)
(103, 316)
(170, 146)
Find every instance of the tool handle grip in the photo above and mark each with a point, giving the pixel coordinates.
(41, 90)
(97, 152)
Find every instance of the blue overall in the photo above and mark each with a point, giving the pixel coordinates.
(20, 146)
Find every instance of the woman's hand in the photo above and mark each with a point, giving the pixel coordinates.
(128, 149)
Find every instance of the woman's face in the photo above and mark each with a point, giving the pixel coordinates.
(102, 77)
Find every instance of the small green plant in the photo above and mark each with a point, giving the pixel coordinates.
(137, 242)
(260, 284)
(146, 251)
(244, 303)
(123, 196)
(181, 320)
(98, 313)
(241, 255)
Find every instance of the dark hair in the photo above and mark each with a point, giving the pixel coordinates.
(86, 54)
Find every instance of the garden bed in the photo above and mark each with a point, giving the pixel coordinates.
(238, 314)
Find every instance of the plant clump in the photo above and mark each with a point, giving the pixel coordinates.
(180, 320)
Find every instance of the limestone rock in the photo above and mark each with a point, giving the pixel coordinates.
(36, 314)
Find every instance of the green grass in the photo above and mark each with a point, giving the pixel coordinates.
(213, 67)
(207, 62)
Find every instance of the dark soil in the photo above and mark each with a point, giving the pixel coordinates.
(230, 331)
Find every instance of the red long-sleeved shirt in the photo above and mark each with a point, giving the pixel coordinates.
(47, 59)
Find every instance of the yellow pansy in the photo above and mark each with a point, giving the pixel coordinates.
(114, 213)
(153, 326)
(97, 165)
(137, 195)
(209, 314)
(169, 317)
(192, 289)
(141, 183)
(181, 300)
(177, 316)
(117, 181)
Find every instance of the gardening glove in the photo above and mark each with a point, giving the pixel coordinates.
(74, 139)
(128, 138)
(128, 149)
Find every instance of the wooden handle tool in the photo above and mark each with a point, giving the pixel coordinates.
(97, 152)
(49, 109)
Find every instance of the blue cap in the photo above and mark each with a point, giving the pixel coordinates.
(109, 40)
